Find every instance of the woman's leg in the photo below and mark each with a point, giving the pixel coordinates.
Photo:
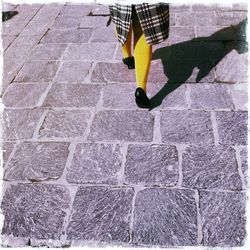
(126, 48)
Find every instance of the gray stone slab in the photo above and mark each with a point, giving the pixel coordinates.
(103, 35)
(20, 123)
(7, 40)
(95, 163)
(100, 10)
(175, 7)
(76, 10)
(223, 218)
(36, 161)
(64, 123)
(94, 51)
(94, 21)
(204, 7)
(101, 214)
(123, 126)
(23, 95)
(151, 165)
(156, 73)
(67, 22)
(48, 52)
(207, 96)
(230, 18)
(73, 71)
(232, 127)
(244, 165)
(239, 94)
(210, 167)
(105, 72)
(72, 95)
(67, 36)
(186, 127)
(35, 29)
(6, 149)
(38, 71)
(165, 217)
(179, 34)
(225, 32)
(35, 211)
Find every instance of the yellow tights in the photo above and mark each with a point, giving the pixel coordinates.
(142, 52)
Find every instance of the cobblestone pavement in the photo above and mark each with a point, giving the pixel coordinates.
(84, 166)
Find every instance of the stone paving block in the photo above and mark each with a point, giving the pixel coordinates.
(103, 35)
(230, 18)
(6, 41)
(222, 33)
(101, 214)
(94, 51)
(67, 36)
(196, 18)
(64, 123)
(151, 165)
(165, 217)
(38, 71)
(156, 73)
(36, 161)
(95, 163)
(73, 71)
(239, 94)
(223, 218)
(8, 6)
(35, 211)
(210, 167)
(48, 52)
(23, 95)
(76, 10)
(232, 127)
(72, 95)
(204, 7)
(122, 125)
(101, 10)
(203, 72)
(233, 68)
(94, 21)
(186, 127)
(179, 34)
(20, 123)
(35, 29)
(207, 96)
(240, 6)
(106, 72)
(244, 165)
(179, 7)
(67, 22)
(6, 149)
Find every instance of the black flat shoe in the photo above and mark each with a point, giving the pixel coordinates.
(141, 98)
(129, 61)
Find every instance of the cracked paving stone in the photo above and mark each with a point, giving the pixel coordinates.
(101, 214)
(35, 211)
(210, 167)
(6, 150)
(20, 123)
(152, 165)
(64, 123)
(186, 127)
(232, 127)
(36, 161)
(165, 217)
(223, 218)
(95, 163)
(122, 125)
(244, 165)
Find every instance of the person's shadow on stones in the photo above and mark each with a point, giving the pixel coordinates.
(204, 53)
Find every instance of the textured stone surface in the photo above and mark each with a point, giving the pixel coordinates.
(35, 161)
(186, 127)
(223, 218)
(123, 126)
(165, 217)
(35, 211)
(76, 10)
(156, 73)
(232, 127)
(73, 71)
(95, 163)
(239, 94)
(204, 96)
(72, 95)
(7, 40)
(64, 123)
(112, 72)
(95, 51)
(230, 18)
(244, 165)
(23, 95)
(6, 149)
(101, 10)
(101, 214)
(35, 29)
(152, 165)
(104, 35)
(38, 71)
(180, 34)
(67, 36)
(210, 167)
(196, 19)
(20, 123)
(64, 22)
(93, 22)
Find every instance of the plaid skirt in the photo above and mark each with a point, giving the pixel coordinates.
(154, 20)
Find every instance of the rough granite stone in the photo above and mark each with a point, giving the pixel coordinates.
(210, 167)
(20, 123)
(101, 214)
(64, 123)
(230, 18)
(179, 34)
(95, 163)
(93, 21)
(232, 127)
(121, 125)
(37, 161)
(6, 41)
(239, 94)
(244, 165)
(67, 22)
(186, 127)
(6, 150)
(101, 35)
(151, 165)
(101, 10)
(35, 211)
(35, 29)
(165, 217)
(76, 10)
(223, 219)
